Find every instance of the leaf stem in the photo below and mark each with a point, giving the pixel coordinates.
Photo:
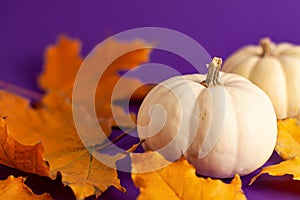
(108, 142)
(20, 91)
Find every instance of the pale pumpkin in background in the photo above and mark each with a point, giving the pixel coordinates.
(221, 123)
(275, 69)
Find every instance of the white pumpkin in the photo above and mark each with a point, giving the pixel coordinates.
(275, 69)
(223, 126)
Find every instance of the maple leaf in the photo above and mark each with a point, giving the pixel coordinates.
(14, 188)
(63, 60)
(291, 167)
(288, 147)
(14, 154)
(178, 181)
(288, 139)
(51, 123)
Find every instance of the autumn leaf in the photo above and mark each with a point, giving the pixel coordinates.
(51, 123)
(63, 60)
(291, 167)
(16, 155)
(288, 139)
(178, 181)
(288, 147)
(14, 188)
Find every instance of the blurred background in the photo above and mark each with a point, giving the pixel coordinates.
(221, 27)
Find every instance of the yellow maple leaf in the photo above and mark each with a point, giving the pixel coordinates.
(178, 181)
(51, 123)
(63, 60)
(288, 147)
(14, 154)
(291, 167)
(288, 139)
(14, 188)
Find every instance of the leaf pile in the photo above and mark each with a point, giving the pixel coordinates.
(43, 139)
(52, 124)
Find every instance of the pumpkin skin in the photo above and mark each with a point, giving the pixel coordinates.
(275, 69)
(248, 131)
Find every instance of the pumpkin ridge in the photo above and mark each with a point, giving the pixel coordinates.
(253, 66)
(231, 63)
(242, 64)
(254, 73)
(237, 123)
(199, 121)
(287, 95)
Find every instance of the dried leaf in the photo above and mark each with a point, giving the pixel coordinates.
(28, 158)
(288, 139)
(63, 60)
(14, 188)
(288, 147)
(291, 167)
(111, 75)
(51, 122)
(179, 181)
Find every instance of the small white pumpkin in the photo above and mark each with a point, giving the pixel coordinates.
(275, 69)
(222, 125)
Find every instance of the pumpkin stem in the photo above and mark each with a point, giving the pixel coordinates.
(214, 67)
(267, 46)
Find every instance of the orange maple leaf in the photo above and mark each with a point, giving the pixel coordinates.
(14, 154)
(14, 188)
(51, 123)
(51, 120)
(178, 180)
(63, 60)
(291, 167)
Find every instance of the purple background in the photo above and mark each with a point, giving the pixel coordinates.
(27, 27)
